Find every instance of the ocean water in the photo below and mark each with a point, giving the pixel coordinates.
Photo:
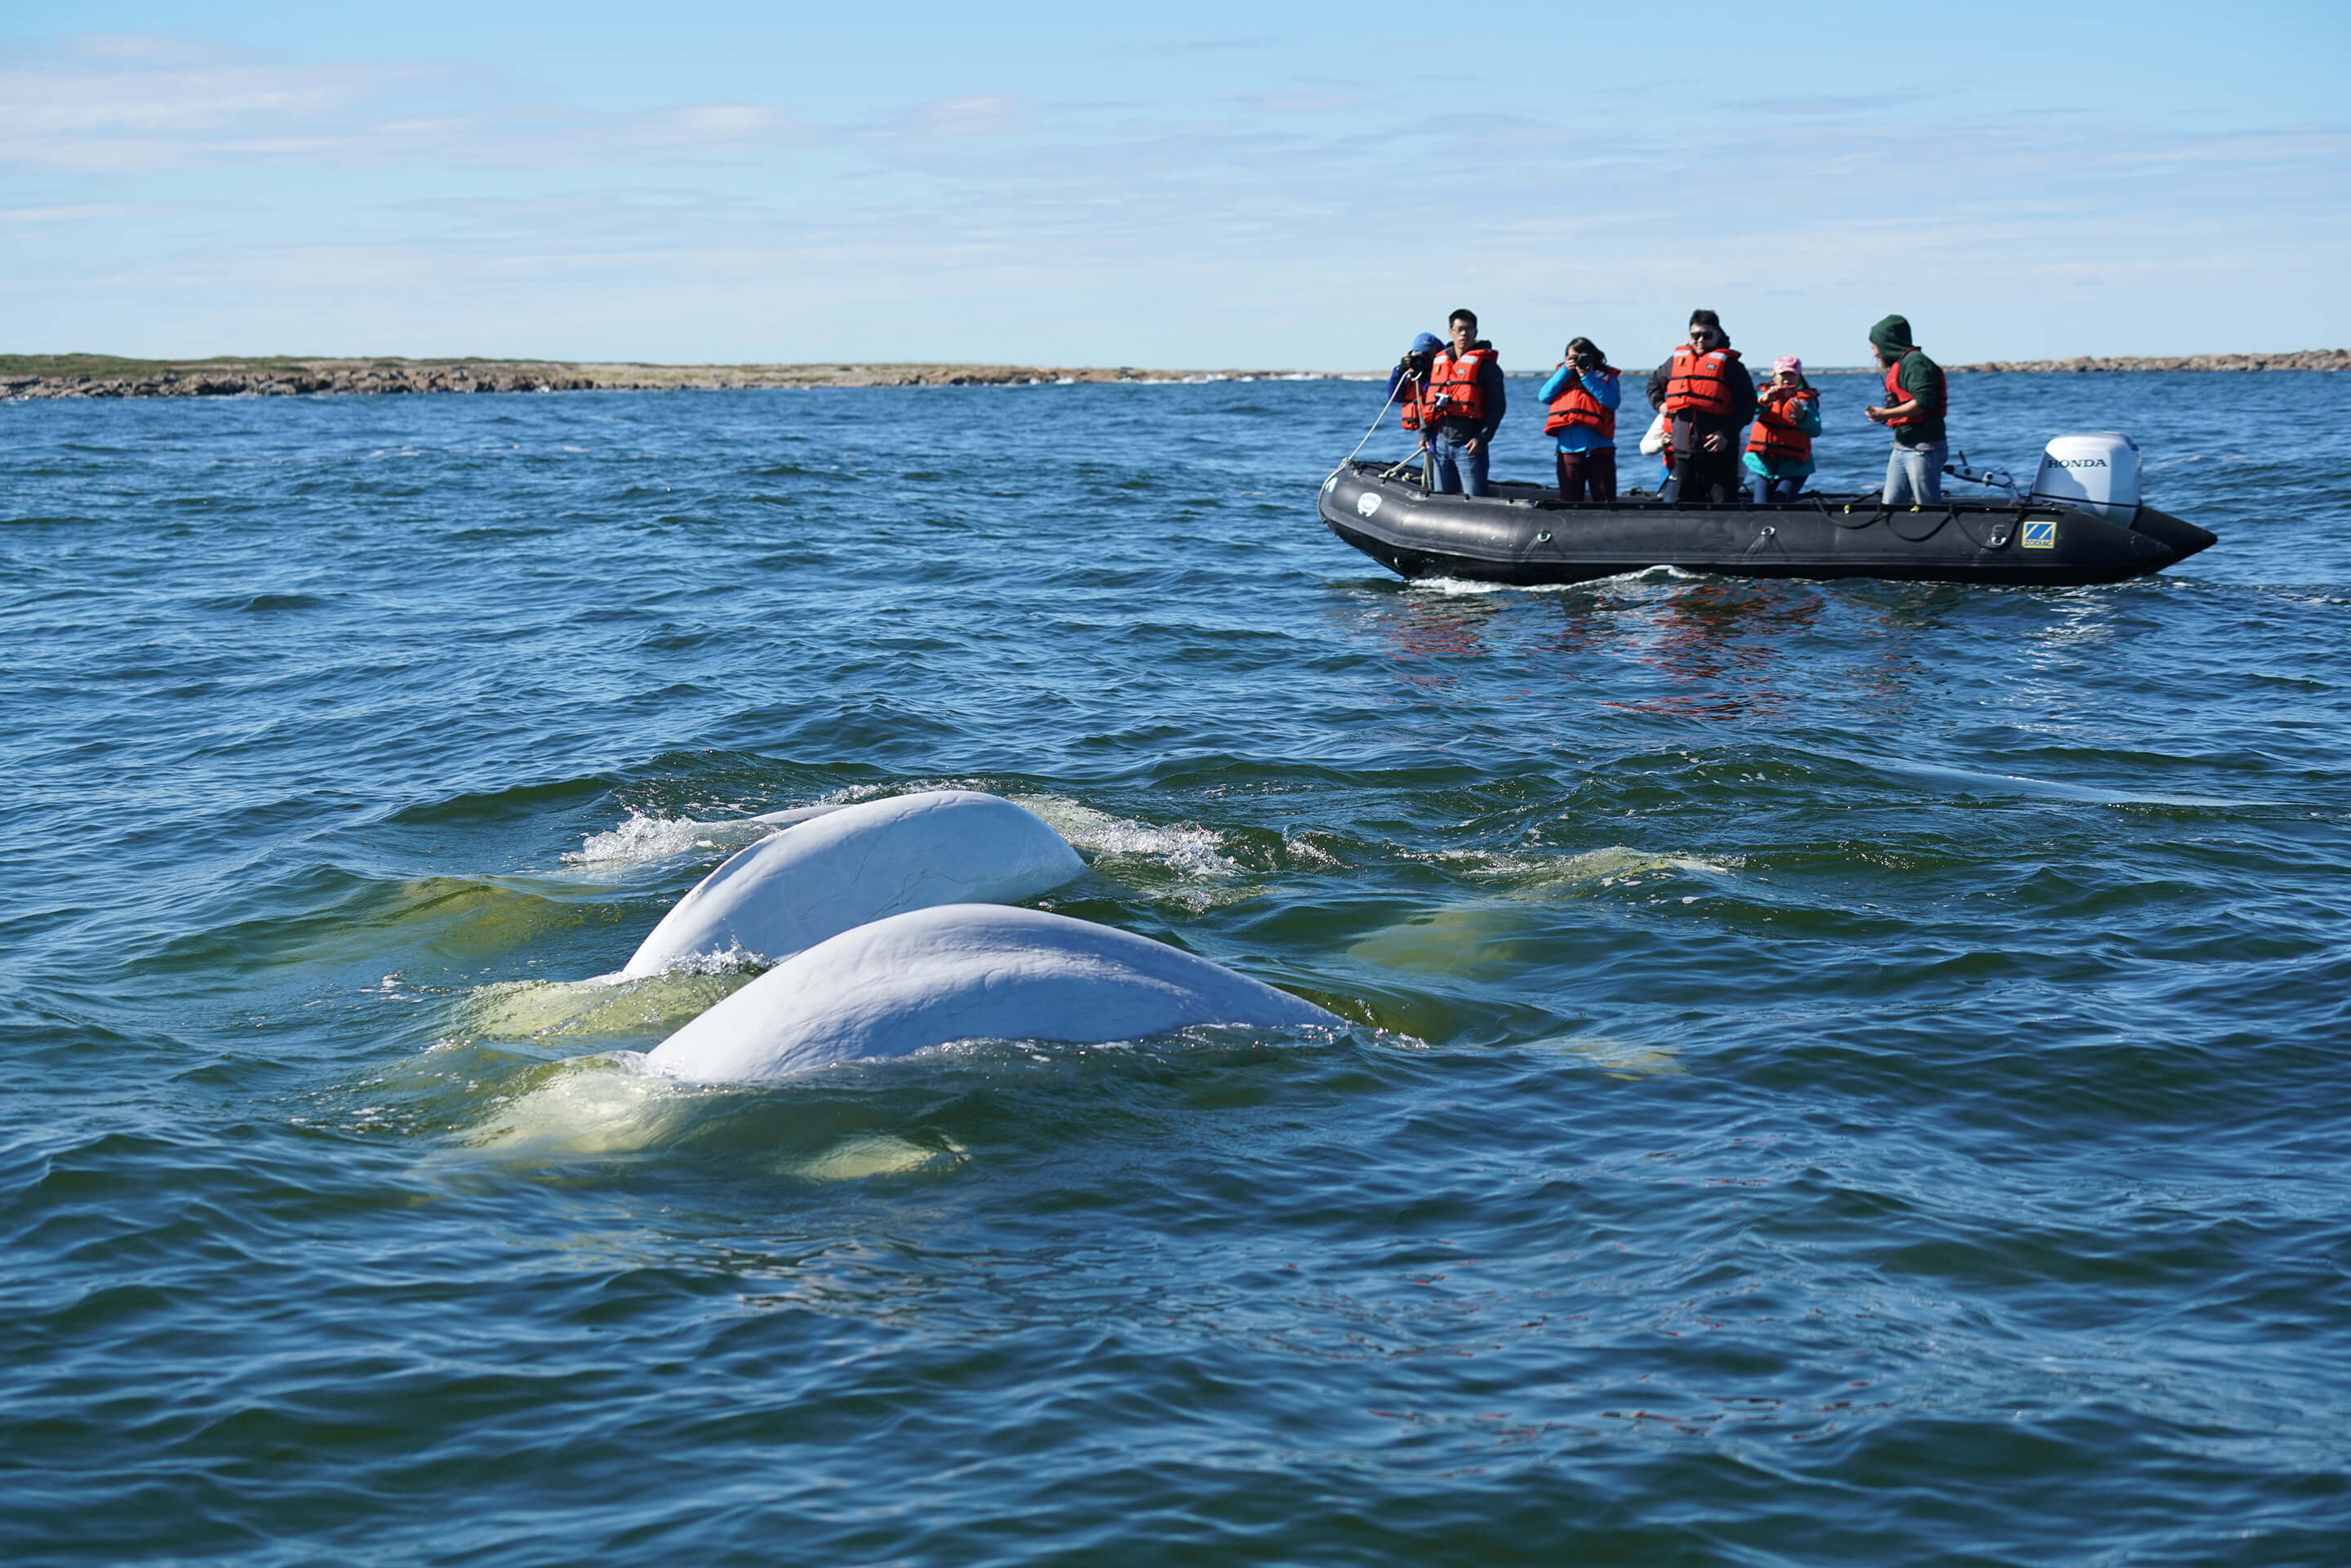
(1835, 1073)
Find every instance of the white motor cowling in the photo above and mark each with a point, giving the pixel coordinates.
(2096, 471)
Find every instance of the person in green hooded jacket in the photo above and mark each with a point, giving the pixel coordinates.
(1913, 410)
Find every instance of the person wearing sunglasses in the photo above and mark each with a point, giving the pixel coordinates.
(1706, 397)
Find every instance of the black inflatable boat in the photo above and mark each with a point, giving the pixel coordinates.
(1526, 534)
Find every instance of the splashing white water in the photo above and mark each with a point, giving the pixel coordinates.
(1472, 588)
(1607, 867)
(1186, 852)
(643, 839)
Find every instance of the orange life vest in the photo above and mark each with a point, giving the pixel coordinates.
(1697, 383)
(1777, 437)
(1894, 393)
(1576, 407)
(1453, 389)
(1411, 395)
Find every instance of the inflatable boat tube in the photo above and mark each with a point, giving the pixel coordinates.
(1525, 534)
(964, 972)
(838, 868)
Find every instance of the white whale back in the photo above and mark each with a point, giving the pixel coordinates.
(964, 972)
(829, 873)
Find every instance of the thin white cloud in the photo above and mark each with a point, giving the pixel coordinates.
(124, 106)
(1303, 102)
(112, 87)
(711, 125)
(85, 213)
(960, 118)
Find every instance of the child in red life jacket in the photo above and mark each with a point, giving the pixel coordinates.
(1583, 394)
(1780, 443)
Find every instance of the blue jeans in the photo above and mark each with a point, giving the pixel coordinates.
(1914, 474)
(1770, 489)
(1454, 464)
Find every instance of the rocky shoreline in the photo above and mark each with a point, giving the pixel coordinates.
(87, 376)
(2298, 360)
(93, 375)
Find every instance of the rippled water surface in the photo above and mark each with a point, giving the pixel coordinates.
(1837, 1072)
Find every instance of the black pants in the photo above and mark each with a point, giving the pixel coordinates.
(1708, 476)
(1596, 469)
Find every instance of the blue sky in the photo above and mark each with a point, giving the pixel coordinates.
(1219, 184)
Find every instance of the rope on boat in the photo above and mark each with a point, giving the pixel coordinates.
(1374, 429)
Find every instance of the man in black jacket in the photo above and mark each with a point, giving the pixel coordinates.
(1707, 397)
(1467, 400)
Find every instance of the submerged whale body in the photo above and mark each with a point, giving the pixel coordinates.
(964, 972)
(837, 868)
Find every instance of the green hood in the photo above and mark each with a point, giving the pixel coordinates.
(1892, 336)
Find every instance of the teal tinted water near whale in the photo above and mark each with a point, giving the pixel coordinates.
(1836, 1074)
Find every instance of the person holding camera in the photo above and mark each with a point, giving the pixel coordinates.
(1707, 397)
(1408, 382)
(1779, 446)
(1464, 408)
(1584, 394)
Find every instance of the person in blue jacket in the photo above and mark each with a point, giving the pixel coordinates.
(1413, 371)
(1582, 395)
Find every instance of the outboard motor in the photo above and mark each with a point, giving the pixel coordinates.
(2097, 473)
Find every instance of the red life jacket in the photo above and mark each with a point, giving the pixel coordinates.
(1777, 437)
(1453, 389)
(1576, 407)
(1894, 393)
(1697, 383)
(1411, 396)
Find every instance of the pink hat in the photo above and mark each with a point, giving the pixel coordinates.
(1787, 362)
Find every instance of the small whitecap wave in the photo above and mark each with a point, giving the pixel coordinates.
(1606, 867)
(643, 839)
(1306, 852)
(1455, 587)
(1472, 588)
(1187, 851)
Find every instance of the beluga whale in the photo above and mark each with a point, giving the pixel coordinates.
(834, 869)
(965, 971)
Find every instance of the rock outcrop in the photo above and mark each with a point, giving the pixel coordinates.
(2298, 359)
(89, 375)
(82, 376)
